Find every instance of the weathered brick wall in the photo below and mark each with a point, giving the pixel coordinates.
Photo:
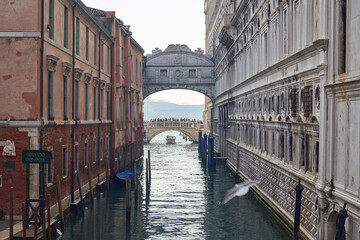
(278, 186)
(13, 177)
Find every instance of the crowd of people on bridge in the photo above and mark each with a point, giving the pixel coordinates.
(175, 120)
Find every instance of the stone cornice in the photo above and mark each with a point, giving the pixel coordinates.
(52, 62)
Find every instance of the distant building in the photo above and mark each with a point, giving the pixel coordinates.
(71, 83)
(287, 102)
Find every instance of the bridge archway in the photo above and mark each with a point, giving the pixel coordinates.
(177, 67)
(192, 133)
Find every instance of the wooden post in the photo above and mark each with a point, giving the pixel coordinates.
(23, 220)
(35, 223)
(90, 178)
(11, 213)
(135, 181)
(61, 215)
(48, 216)
(43, 224)
(128, 200)
(149, 165)
(147, 172)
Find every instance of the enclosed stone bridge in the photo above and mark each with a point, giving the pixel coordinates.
(177, 67)
(188, 128)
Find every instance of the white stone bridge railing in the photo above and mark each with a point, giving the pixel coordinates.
(187, 127)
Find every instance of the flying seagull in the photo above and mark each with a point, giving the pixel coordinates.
(238, 190)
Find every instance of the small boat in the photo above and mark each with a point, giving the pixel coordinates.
(127, 174)
(170, 139)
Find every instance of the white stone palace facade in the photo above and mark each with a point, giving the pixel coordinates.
(287, 103)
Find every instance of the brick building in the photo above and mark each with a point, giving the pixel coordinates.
(71, 84)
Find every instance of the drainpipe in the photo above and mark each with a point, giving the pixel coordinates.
(99, 95)
(73, 108)
(111, 111)
(41, 96)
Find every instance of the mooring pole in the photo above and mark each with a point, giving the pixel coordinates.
(205, 148)
(199, 143)
(135, 182)
(11, 213)
(128, 200)
(80, 191)
(147, 172)
(149, 165)
(61, 215)
(43, 225)
(90, 179)
(299, 188)
(211, 150)
(35, 223)
(48, 216)
(340, 228)
(23, 220)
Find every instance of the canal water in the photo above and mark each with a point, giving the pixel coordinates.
(182, 203)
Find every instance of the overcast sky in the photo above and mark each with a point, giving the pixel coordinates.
(159, 23)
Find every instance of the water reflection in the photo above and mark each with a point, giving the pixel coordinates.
(182, 202)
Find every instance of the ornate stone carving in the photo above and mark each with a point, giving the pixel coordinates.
(78, 73)
(95, 81)
(87, 78)
(102, 84)
(66, 68)
(52, 62)
(108, 87)
(9, 148)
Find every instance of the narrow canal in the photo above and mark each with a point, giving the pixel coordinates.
(182, 203)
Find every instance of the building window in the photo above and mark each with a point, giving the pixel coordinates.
(136, 72)
(342, 36)
(94, 151)
(76, 162)
(50, 95)
(86, 154)
(124, 108)
(163, 73)
(95, 49)
(120, 111)
(86, 101)
(192, 73)
(107, 59)
(77, 41)
(66, 98)
(77, 100)
(102, 55)
(51, 19)
(66, 17)
(87, 43)
(101, 103)
(50, 168)
(64, 161)
(122, 60)
(107, 146)
(140, 72)
(138, 110)
(101, 149)
(94, 103)
(108, 105)
(317, 157)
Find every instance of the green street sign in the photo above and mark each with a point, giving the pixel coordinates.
(35, 156)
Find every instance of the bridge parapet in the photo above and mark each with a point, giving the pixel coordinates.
(188, 128)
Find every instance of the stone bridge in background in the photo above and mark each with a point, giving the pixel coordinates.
(188, 128)
(177, 67)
